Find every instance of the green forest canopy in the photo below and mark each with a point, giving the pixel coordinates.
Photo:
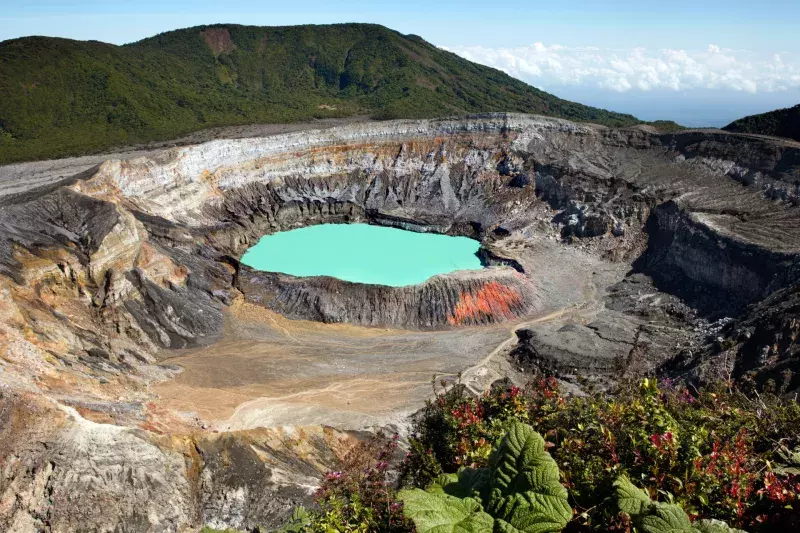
(62, 97)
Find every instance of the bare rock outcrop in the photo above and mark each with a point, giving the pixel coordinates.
(67, 473)
(459, 299)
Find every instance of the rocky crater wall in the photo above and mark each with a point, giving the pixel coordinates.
(690, 255)
(466, 298)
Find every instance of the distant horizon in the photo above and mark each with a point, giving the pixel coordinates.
(698, 65)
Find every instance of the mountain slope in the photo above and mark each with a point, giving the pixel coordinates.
(778, 123)
(62, 97)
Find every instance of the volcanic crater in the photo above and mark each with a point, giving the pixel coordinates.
(143, 364)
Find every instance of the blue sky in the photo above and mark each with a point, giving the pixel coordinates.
(701, 62)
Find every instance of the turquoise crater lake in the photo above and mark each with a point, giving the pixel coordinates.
(363, 254)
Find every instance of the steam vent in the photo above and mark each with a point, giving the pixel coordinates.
(151, 381)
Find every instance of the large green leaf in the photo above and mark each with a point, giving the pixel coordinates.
(666, 518)
(791, 458)
(715, 526)
(444, 480)
(469, 482)
(437, 512)
(669, 518)
(630, 498)
(654, 517)
(525, 491)
(475, 481)
(501, 526)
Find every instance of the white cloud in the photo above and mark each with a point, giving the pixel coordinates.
(642, 69)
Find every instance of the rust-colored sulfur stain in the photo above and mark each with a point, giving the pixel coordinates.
(162, 420)
(159, 267)
(493, 299)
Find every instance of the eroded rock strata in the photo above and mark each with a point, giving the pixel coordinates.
(462, 299)
(101, 272)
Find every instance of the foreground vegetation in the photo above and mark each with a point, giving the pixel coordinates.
(650, 458)
(64, 97)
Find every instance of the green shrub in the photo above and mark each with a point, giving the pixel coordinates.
(359, 498)
(715, 452)
(458, 430)
(520, 491)
(656, 517)
(648, 458)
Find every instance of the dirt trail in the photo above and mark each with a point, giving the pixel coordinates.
(478, 377)
(473, 372)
